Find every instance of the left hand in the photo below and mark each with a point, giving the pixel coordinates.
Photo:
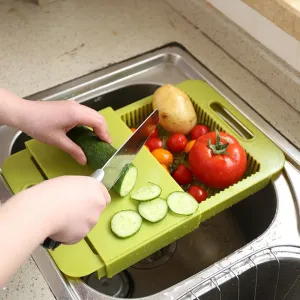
(49, 121)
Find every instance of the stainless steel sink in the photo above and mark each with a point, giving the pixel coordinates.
(237, 254)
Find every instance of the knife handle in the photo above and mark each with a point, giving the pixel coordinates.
(51, 244)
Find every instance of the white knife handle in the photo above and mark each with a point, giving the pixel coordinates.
(98, 174)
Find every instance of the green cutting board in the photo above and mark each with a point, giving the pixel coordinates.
(116, 254)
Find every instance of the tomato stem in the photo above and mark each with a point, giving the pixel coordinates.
(219, 147)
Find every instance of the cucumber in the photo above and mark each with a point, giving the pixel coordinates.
(126, 223)
(182, 203)
(98, 153)
(127, 180)
(153, 210)
(147, 192)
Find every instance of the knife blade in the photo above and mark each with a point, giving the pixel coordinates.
(112, 170)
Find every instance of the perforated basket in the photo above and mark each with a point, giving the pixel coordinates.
(264, 158)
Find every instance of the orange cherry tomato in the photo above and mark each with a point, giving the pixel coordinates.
(164, 156)
(166, 168)
(133, 129)
(189, 146)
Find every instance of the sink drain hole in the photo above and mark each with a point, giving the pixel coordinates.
(158, 258)
(119, 286)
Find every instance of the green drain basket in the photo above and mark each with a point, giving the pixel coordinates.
(101, 251)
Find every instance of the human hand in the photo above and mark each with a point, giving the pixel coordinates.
(49, 122)
(69, 206)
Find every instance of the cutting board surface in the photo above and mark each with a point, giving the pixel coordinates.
(117, 253)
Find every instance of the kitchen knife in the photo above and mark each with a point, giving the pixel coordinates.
(112, 170)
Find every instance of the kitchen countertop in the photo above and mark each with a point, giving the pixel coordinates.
(43, 46)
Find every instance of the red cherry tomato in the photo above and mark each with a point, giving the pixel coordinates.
(198, 131)
(177, 142)
(154, 143)
(198, 192)
(182, 175)
(154, 133)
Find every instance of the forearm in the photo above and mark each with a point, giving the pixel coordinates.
(11, 108)
(22, 229)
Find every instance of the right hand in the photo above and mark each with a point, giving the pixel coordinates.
(70, 206)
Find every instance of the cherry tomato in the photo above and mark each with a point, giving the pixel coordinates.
(166, 168)
(154, 143)
(164, 156)
(182, 175)
(218, 160)
(198, 192)
(199, 130)
(176, 142)
(154, 133)
(147, 147)
(133, 129)
(189, 146)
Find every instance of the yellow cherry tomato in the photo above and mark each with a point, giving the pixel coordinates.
(189, 146)
(164, 156)
(147, 147)
(166, 168)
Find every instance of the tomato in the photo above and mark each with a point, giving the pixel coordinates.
(154, 133)
(133, 129)
(164, 156)
(182, 175)
(154, 143)
(177, 142)
(147, 147)
(189, 146)
(199, 130)
(198, 192)
(166, 168)
(218, 160)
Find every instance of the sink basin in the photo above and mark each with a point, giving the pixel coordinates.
(268, 218)
(271, 274)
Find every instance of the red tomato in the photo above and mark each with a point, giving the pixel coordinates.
(199, 130)
(177, 142)
(198, 192)
(182, 175)
(218, 160)
(154, 143)
(154, 133)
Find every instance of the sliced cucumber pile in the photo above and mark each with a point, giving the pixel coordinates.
(153, 210)
(182, 203)
(151, 207)
(147, 192)
(126, 223)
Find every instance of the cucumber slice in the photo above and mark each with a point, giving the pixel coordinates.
(153, 210)
(127, 180)
(182, 203)
(126, 223)
(147, 192)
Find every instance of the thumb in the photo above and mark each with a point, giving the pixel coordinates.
(71, 148)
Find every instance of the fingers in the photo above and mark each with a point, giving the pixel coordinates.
(91, 118)
(65, 144)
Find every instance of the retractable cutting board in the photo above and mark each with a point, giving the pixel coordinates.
(102, 251)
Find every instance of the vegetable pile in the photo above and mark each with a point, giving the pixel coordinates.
(197, 158)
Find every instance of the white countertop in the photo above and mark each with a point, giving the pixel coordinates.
(41, 47)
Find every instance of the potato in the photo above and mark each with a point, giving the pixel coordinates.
(176, 111)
